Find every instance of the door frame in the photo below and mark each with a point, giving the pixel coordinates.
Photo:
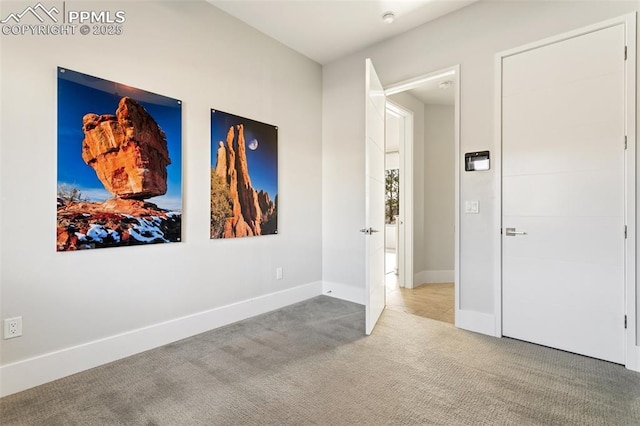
(404, 251)
(409, 84)
(632, 352)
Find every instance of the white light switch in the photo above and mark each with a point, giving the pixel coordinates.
(471, 207)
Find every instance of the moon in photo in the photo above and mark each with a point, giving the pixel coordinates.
(253, 145)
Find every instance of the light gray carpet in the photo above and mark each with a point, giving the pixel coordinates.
(311, 364)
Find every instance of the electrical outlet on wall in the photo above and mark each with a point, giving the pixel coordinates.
(12, 327)
(279, 273)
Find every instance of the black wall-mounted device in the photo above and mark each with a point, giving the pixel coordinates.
(475, 161)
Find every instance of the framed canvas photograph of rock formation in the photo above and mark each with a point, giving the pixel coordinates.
(244, 177)
(119, 165)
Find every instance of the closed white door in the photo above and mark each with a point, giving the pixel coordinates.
(563, 222)
(373, 233)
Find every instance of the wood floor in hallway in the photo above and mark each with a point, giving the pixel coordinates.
(435, 301)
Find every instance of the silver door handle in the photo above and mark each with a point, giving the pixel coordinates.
(368, 231)
(511, 232)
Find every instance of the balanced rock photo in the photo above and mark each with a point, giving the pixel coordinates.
(128, 151)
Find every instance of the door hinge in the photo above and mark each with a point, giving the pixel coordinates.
(625, 321)
(625, 232)
(625, 141)
(625, 53)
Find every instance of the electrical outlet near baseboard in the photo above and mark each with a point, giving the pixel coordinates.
(12, 327)
(279, 273)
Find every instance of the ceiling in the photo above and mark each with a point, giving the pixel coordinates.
(325, 30)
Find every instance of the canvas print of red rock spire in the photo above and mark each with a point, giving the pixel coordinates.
(119, 165)
(244, 177)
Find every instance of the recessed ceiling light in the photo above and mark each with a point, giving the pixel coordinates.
(388, 17)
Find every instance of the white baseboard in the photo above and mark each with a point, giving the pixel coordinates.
(25, 374)
(344, 292)
(432, 277)
(633, 363)
(478, 322)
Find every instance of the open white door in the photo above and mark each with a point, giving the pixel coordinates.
(374, 198)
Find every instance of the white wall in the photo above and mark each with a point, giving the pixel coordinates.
(470, 37)
(187, 50)
(439, 192)
(343, 178)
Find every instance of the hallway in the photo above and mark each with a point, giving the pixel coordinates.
(434, 301)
